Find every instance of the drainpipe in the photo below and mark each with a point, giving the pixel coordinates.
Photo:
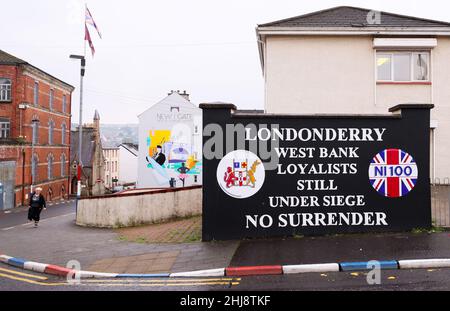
(23, 176)
(434, 155)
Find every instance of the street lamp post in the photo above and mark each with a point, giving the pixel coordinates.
(80, 127)
(34, 137)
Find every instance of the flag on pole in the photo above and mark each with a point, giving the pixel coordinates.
(87, 37)
(90, 20)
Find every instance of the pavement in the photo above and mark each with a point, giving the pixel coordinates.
(58, 240)
(341, 248)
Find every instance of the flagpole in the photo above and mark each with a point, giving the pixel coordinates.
(84, 38)
(80, 126)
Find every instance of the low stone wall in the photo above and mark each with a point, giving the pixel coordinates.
(132, 208)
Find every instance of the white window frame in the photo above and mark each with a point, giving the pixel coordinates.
(51, 99)
(412, 54)
(63, 133)
(35, 135)
(63, 165)
(51, 129)
(34, 167)
(64, 103)
(6, 90)
(50, 159)
(5, 128)
(36, 93)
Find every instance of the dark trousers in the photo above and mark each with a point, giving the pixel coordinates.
(34, 213)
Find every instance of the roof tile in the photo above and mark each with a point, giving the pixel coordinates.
(346, 16)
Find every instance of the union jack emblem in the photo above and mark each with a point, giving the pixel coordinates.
(393, 173)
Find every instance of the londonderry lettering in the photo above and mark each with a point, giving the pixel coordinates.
(315, 134)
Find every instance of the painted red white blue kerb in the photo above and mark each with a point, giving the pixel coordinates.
(393, 173)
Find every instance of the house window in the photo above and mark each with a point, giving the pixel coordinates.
(36, 93)
(35, 132)
(4, 128)
(51, 126)
(63, 165)
(403, 66)
(63, 134)
(64, 104)
(5, 89)
(50, 166)
(34, 165)
(50, 102)
(421, 66)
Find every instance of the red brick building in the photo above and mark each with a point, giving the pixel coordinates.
(35, 124)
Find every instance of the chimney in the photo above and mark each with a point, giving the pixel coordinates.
(184, 94)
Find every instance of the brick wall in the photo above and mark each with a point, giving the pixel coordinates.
(18, 146)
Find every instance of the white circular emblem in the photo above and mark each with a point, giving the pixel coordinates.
(240, 174)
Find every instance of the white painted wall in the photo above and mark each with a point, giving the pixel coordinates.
(170, 123)
(128, 166)
(336, 74)
(112, 164)
(140, 208)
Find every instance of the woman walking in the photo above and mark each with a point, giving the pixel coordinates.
(37, 204)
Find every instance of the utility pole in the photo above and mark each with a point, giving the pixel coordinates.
(80, 127)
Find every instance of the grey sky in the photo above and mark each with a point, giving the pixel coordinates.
(206, 47)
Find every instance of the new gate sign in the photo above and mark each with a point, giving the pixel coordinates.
(279, 175)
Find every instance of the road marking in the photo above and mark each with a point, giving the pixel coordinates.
(30, 281)
(162, 280)
(161, 283)
(42, 220)
(64, 215)
(24, 274)
(6, 229)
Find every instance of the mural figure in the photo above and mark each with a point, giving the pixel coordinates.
(183, 170)
(159, 157)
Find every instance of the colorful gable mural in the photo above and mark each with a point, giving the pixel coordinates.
(170, 158)
(169, 134)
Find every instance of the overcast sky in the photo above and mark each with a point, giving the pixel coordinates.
(205, 47)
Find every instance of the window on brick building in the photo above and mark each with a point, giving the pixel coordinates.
(64, 103)
(51, 126)
(34, 166)
(36, 93)
(63, 165)
(4, 128)
(50, 102)
(63, 134)
(35, 126)
(5, 89)
(50, 166)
